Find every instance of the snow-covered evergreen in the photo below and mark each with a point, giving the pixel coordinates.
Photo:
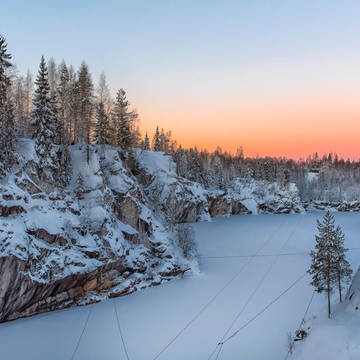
(44, 120)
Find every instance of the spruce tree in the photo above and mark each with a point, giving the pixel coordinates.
(146, 143)
(342, 266)
(4, 65)
(103, 132)
(43, 120)
(123, 135)
(181, 161)
(63, 96)
(324, 259)
(79, 187)
(8, 139)
(84, 98)
(122, 121)
(65, 167)
(164, 140)
(157, 141)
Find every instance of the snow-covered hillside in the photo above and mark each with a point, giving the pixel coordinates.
(110, 232)
(58, 250)
(337, 338)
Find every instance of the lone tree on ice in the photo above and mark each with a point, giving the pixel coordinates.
(329, 267)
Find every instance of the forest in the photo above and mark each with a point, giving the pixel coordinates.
(61, 106)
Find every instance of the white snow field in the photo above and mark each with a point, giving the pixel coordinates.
(151, 319)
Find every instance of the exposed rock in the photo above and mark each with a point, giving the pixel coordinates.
(49, 238)
(90, 285)
(219, 206)
(344, 206)
(129, 213)
(8, 197)
(6, 211)
(27, 186)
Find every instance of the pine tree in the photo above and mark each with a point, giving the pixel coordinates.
(164, 140)
(63, 91)
(157, 142)
(323, 261)
(103, 132)
(79, 187)
(28, 95)
(342, 266)
(85, 97)
(146, 143)
(123, 136)
(181, 161)
(270, 169)
(43, 120)
(65, 168)
(8, 139)
(58, 125)
(4, 65)
(122, 121)
(249, 173)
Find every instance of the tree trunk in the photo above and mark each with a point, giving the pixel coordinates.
(339, 284)
(328, 288)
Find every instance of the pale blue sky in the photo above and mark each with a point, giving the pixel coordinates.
(198, 58)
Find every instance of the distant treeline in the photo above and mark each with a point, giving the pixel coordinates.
(63, 106)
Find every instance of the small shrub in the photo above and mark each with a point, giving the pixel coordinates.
(187, 241)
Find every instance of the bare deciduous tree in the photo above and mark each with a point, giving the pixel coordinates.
(187, 241)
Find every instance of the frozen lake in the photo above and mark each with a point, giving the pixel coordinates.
(151, 319)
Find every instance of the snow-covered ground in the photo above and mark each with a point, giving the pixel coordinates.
(152, 318)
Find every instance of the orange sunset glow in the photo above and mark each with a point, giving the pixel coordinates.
(278, 78)
(283, 125)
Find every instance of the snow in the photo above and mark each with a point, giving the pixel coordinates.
(151, 319)
(65, 215)
(157, 162)
(341, 333)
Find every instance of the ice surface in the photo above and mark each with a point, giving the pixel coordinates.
(150, 319)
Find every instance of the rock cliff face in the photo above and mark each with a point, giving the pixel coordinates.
(59, 249)
(185, 201)
(332, 206)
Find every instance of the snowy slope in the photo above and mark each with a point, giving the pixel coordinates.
(337, 338)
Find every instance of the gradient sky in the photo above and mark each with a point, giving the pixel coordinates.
(280, 78)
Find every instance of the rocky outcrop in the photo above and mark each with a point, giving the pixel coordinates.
(225, 205)
(58, 250)
(6, 211)
(344, 206)
(42, 234)
(182, 200)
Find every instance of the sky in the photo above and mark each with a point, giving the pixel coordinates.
(280, 78)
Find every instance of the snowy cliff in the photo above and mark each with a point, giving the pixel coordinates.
(58, 249)
(110, 232)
